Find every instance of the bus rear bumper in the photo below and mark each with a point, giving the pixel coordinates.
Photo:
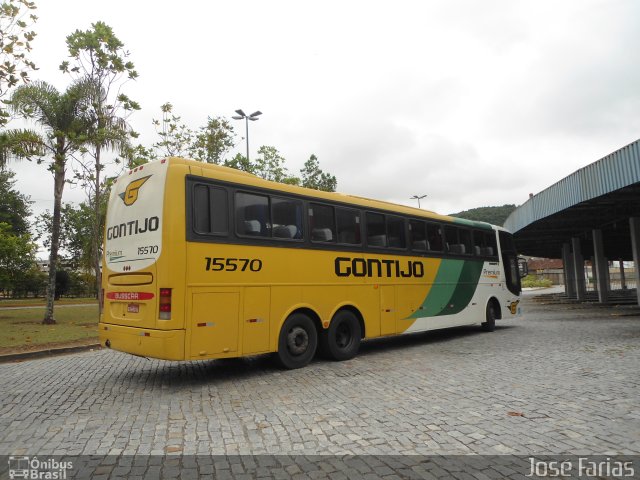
(145, 342)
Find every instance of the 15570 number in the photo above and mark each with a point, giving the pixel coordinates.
(147, 250)
(233, 264)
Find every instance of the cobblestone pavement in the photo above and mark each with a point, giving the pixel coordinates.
(561, 379)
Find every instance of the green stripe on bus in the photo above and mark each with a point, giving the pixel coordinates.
(465, 288)
(472, 223)
(452, 289)
(442, 289)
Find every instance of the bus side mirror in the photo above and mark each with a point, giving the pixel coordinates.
(523, 267)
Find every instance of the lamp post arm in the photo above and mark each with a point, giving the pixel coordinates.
(246, 120)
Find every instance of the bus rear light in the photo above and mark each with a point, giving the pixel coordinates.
(165, 304)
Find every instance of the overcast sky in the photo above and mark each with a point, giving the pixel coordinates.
(473, 103)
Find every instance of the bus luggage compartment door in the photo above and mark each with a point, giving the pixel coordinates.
(255, 328)
(214, 323)
(387, 310)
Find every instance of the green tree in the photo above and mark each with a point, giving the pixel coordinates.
(176, 139)
(135, 155)
(63, 283)
(213, 141)
(292, 181)
(16, 18)
(81, 284)
(17, 257)
(493, 215)
(314, 177)
(270, 165)
(240, 162)
(64, 128)
(75, 246)
(32, 282)
(15, 208)
(99, 57)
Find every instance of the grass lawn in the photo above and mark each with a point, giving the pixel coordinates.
(22, 330)
(10, 302)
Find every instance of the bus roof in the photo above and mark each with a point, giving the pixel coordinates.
(238, 176)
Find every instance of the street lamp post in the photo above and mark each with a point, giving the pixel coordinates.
(253, 117)
(416, 197)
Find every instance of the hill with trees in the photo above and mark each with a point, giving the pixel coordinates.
(493, 215)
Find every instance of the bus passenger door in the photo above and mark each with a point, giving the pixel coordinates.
(214, 323)
(387, 309)
(255, 320)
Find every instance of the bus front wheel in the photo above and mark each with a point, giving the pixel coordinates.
(297, 342)
(490, 323)
(341, 340)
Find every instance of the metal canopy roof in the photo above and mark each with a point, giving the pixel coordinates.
(602, 195)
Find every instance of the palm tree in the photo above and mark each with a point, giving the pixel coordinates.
(64, 126)
(106, 131)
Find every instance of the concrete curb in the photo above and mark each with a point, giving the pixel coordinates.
(18, 357)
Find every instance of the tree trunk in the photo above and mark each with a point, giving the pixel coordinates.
(58, 176)
(97, 231)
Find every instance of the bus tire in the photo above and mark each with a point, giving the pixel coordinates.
(490, 323)
(341, 341)
(298, 342)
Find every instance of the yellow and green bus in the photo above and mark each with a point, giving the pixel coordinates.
(203, 261)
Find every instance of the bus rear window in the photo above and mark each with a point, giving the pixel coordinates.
(210, 210)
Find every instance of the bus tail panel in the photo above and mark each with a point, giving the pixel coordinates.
(131, 299)
(163, 344)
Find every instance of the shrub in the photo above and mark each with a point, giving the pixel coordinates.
(534, 281)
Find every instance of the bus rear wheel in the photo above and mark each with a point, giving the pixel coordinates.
(341, 340)
(298, 341)
(490, 323)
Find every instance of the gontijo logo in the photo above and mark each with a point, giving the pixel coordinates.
(130, 195)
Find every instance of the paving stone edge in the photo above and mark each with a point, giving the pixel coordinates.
(16, 357)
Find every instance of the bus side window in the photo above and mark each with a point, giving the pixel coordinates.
(418, 236)
(434, 237)
(490, 248)
(465, 241)
(376, 234)
(451, 235)
(322, 223)
(478, 243)
(252, 214)
(210, 212)
(396, 232)
(348, 224)
(287, 218)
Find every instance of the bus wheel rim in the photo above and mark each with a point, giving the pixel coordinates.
(297, 340)
(343, 336)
